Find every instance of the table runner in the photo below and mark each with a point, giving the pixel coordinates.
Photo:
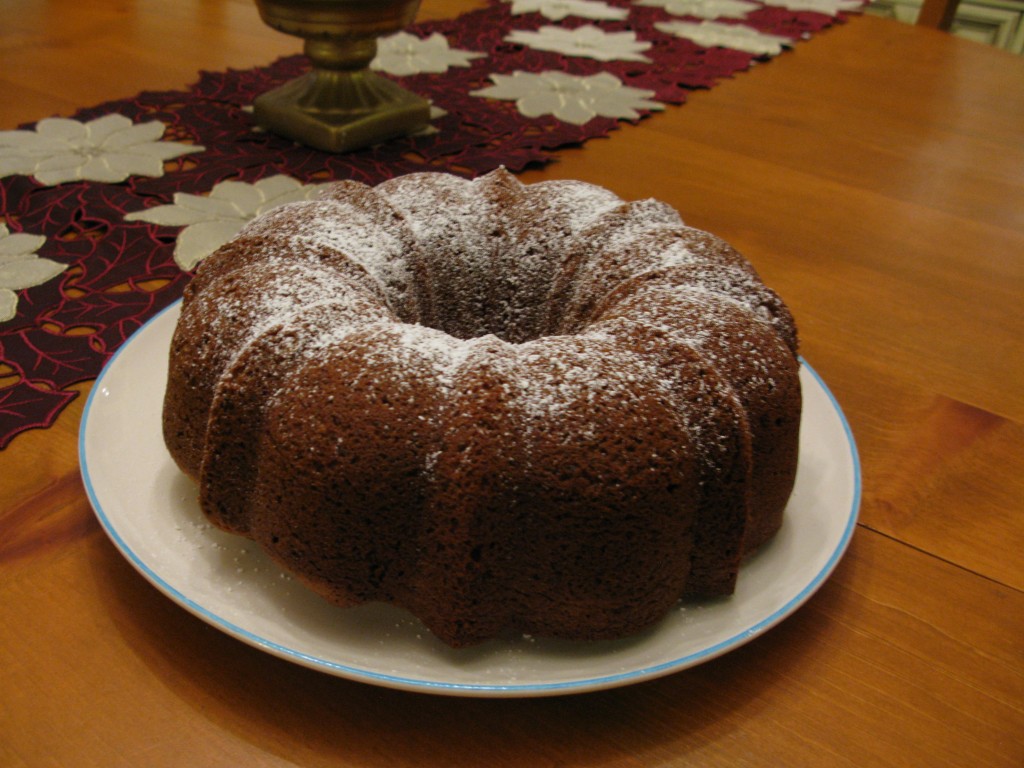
(105, 215)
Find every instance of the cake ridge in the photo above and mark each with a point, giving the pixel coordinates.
(504, 407)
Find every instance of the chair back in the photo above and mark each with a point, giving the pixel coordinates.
(938, 14)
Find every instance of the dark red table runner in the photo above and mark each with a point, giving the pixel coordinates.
(118, 272)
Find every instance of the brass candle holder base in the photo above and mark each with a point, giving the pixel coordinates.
(341, 105)
(341, 111)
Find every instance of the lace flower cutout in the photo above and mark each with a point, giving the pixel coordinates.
(556, 10)
(403, 54)
(570, 98)
(587, 41)
(706, 9)
(212, 220)
(828, 7)
(21, 267)
(108, 149)
(739, 37)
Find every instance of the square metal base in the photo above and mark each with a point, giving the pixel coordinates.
(341, 112)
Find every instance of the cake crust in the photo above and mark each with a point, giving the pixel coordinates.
(504, 407)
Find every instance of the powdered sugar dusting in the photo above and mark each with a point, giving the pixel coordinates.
(492, 271)
(415, 353)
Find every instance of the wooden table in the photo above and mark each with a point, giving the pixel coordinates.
(875, 176)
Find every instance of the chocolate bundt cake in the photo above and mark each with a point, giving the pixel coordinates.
(504, 407)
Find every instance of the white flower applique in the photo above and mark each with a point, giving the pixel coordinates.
(571, 98)
(738, 37)
(828, 7)
(403, 54)
(556, 10)
(586, 41)
(704, 9)
(21, 267)
(108, 149)
(212, 220)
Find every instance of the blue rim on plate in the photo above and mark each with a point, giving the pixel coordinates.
(104, 489)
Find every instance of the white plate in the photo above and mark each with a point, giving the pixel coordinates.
(149, 510)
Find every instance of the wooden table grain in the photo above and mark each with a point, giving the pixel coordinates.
(875, 177)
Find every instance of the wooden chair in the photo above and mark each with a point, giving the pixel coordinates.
(938, 14)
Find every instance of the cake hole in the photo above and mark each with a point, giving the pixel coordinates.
(71, 277)
(149, 286)
(8, 376)
(71, 330)
(82, 228)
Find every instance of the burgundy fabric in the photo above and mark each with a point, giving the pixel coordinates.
(120, 273)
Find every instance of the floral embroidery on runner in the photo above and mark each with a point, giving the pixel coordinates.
(211, 220)
(827, 7)
(556, 10)
(21, 267)
(574, 99)
(705, 9)
(404, 54)
(110, 148)
(738, 37)
(588, 40)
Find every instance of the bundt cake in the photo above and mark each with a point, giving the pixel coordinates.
(504, 407)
